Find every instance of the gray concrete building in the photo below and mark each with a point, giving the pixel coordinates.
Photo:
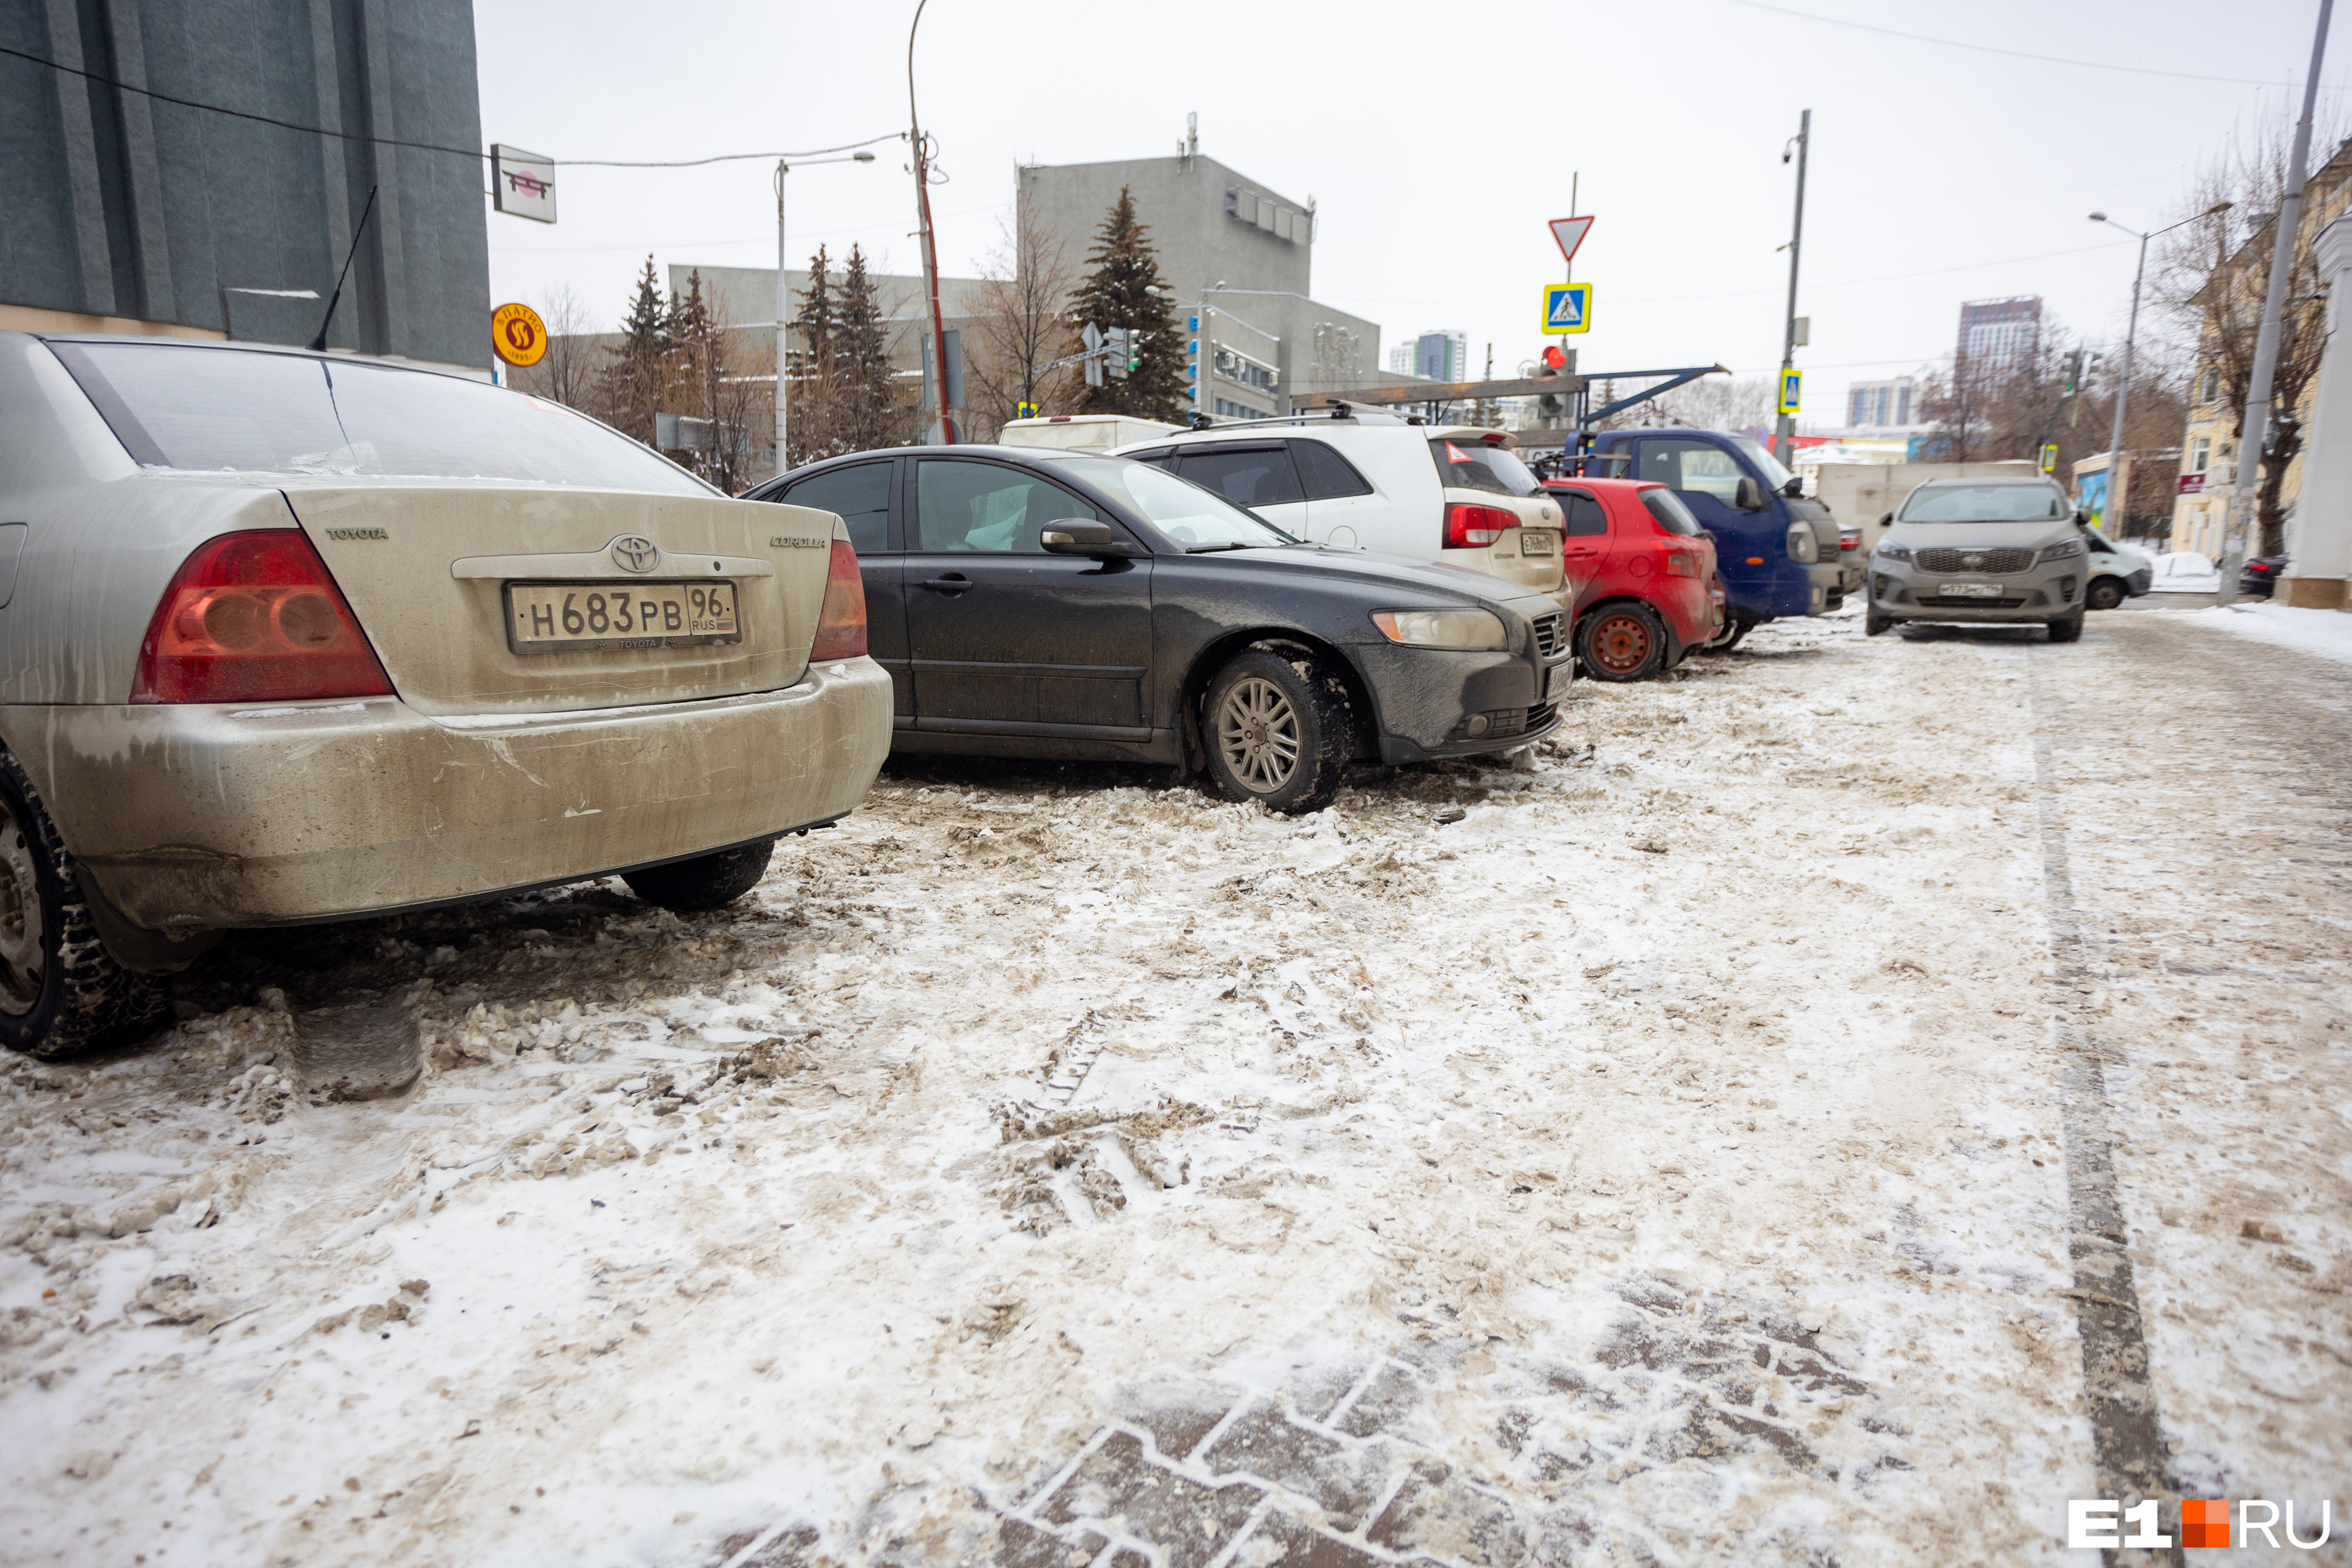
(122, 211)
(1239, 259)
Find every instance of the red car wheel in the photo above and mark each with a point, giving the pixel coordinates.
(1621, 642)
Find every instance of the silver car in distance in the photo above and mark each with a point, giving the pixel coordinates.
(1977, 550)
(288, 637)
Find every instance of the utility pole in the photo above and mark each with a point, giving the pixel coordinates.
(2131, 332)
(2244, 506)
(1785, 435)
(784, 296)
(944, 433)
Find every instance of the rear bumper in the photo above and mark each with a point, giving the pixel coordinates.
(205, 817)
(2139, 582)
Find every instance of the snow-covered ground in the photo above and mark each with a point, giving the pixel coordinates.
(1659, 1161)
(2327, 633)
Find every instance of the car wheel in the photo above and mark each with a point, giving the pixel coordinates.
(61, 991)
(705, 882)
(2103, 594)
(1278, 734)
(2068, 629)
(1621, 642)
(1874, 624)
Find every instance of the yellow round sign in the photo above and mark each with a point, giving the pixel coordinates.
(518, 335)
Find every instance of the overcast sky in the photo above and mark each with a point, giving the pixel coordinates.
(1435, 140)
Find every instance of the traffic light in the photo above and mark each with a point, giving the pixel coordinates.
(1120, 349)
(1550, 406)
(2073, 380)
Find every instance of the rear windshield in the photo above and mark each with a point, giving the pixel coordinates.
(211, 409)
(1984, 503)
(1672, 514)
(1473, 465)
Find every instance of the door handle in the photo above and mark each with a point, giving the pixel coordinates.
(954, 584)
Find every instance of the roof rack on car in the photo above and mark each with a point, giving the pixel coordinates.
(1338, 413)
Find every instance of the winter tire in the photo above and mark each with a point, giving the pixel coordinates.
(1621, 642)
(1279, 731)
(61, 991)
(2102, 595)
(2069, 629)
(1874, 624)
(705, 882)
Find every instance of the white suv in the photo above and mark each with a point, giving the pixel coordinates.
(1455, 494)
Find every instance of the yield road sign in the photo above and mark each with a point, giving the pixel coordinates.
(1569, 233)
(1792, 383)
(1567, 307)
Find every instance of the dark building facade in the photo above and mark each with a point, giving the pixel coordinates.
(121, 211)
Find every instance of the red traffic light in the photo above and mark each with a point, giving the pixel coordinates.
(1553, 357)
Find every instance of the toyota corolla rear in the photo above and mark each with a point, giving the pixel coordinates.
(326, 637)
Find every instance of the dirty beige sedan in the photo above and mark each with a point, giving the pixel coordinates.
(289, 638)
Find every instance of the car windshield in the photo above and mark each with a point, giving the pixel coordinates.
(1469, 464)
(1984, 503)
(208, 409)
(1194, 518)
(1760, 457)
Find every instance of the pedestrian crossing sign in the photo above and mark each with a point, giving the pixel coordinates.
(1792, 383)
(1567, 307)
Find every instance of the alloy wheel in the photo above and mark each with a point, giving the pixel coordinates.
(1258, 734)
(24, 946)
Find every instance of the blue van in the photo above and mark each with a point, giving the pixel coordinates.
(1779, 553)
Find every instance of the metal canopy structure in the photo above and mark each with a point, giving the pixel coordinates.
(1579, 387)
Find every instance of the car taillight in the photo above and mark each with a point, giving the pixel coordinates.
(1849, 542)
(1469, 525)
(255, 617)
(841, 624)
(1679, 564)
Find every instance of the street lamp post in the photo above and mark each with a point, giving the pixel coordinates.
(784, 297)
(1787, 432)
(2243, 516)
(946, 430)
(2122, 382)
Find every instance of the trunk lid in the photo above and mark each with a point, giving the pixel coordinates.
(427, 567)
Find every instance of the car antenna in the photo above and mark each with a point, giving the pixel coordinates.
(319, 343)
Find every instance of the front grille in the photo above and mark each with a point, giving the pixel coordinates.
(2000, 562)
(1956, 602)
(1548, 634)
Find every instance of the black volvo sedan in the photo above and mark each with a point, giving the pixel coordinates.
(1036, 603)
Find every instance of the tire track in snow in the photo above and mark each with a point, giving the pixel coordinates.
(2128, 1453)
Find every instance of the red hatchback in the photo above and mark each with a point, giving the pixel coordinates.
(1644, 573)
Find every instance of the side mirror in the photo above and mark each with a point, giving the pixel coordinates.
(1079, 536)
(1794, 489)
(2082, 517)
(1749, 495)
(1887, 521)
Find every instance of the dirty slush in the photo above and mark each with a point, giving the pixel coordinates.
(1661, 1163)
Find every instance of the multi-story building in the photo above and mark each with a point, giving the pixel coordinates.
(1239, 259)
(1441, 355)
(1998, 335)
(2209, 454)
(1880, 404)
(129, 209)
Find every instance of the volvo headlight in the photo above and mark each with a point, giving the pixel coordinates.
(2062, 550)
(1474, 629)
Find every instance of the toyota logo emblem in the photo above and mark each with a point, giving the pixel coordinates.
(631, 554)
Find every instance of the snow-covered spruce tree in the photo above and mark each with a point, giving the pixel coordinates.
(1119, 290)
(814, 394)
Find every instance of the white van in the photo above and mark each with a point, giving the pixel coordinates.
(1455, 494)
(1082, 432)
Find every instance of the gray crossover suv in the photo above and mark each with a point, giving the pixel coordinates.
(1981, 550)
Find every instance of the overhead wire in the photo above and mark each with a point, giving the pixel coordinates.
(424, 146)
